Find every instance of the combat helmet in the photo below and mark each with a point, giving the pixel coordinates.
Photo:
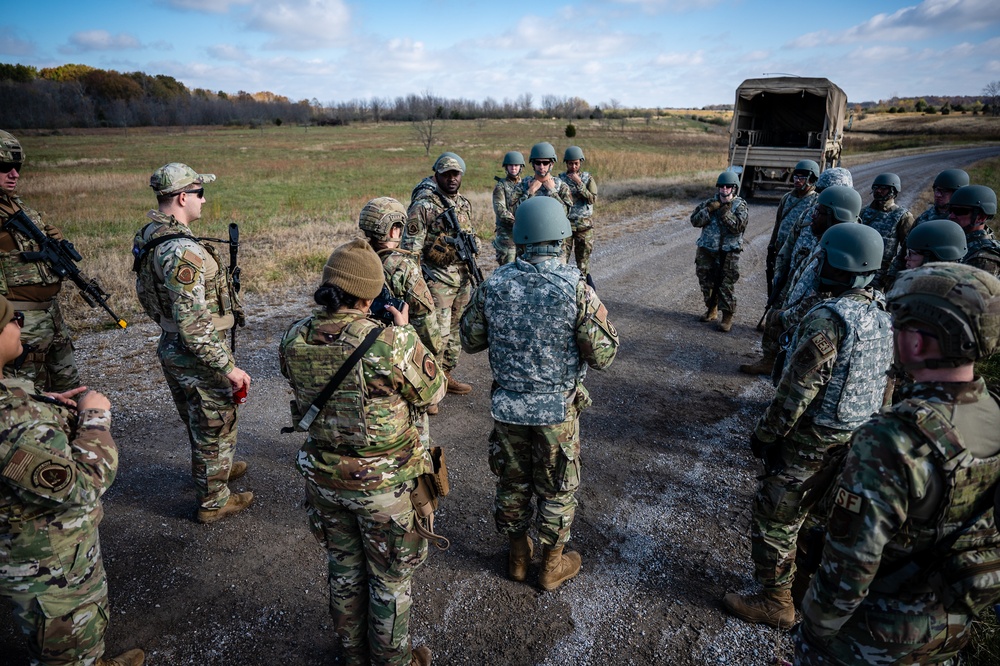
(889, 180)
(834, 176)
(939, 240)
(513, 157)
(855, 249)
(542, 151)
(951, 179)
(959, 304)
(10, 148)
(728, 178)
(843, 201)
(573, 153)
(379, 216)
(975, 196)
(449, 162)
(807, 168)
(539, 220)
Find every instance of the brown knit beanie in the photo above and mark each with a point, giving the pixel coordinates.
(355, 268)
(6, 312)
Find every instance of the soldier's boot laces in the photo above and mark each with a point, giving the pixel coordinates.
(773, 607)
(238, 470)
(727, 322)
(558, 568)
(236, 503)
(457, 387)
(420, 656)
(130, 658)
(521, 550)
(711, 314)
(761, 367)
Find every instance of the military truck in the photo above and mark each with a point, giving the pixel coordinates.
(779, 121)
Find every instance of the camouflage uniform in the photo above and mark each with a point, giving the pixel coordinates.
(581, 219)
(912, 476)
(542, 326)
(447, 277)
(360, 461)
(899, 261)
(503, 200)
(562, 193)
(983, 252)
(893, 222)
(717, 260)
(33, 289)
(834, 379)
(55, 466)
(184, 288)
(790, 210)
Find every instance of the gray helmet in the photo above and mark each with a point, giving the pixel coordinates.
(573, 153)
(379, 216)
(844, 201)
(960, 304)
(727, 178)
(976, 196)
(542, 151)
(807, 168)
(449, 162)
(10, 148)
(513, 157)
(888, 180)
(540, 219)
(834, 176)
(951, 179)
(852, 248)
(941, 240)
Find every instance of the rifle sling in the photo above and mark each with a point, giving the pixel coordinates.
(320, 401)
(153, 244)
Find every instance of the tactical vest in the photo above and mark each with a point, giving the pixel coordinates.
(716, 236)
(535, 360)
(436, 250)
(886, 224)
(791, 209)
(982, 246)
(14, 270)
(581, 208)
(353, 419)
(857, 384)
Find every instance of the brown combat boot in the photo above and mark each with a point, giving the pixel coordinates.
(711, 314)
(432, 410)
(773, 607)
(239, 469)
(130, 658)
(236, 503)
(457, 387)
(521, 550)
(761, 367)
(420, 656)
(727, 322)
(558, 568)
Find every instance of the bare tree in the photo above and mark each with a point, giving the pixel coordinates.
(992, 91)
(427, 118)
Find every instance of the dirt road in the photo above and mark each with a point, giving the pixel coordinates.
(662, 523)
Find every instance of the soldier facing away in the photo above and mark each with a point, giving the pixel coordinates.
(583, 188)
(184, 287)
(543, 325)
(912, 547)
(503, 201)
(32, 287)
(58, 459)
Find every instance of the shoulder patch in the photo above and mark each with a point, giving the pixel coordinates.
(185, 274)
(822, 344)
(19, 463)
(52, 476)
(412, 228)
(429, 366)
(193, 258)
(848, 501)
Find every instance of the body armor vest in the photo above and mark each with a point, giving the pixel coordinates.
(508, 187)
(791, 209)
(581, 208)
(982, 245)
(15, 272)
(885, 223)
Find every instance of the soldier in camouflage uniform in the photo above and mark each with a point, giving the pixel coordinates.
(790, 208)
(583, 188)
(503, 199)
(184, 287)
(363, 454)
(912, 549)
(888, 218)
(56, 460)
(722, 220)
(32, 287)
(427, 232)
(833, 381)
(971, 207)
(543, 183)
(543, 326)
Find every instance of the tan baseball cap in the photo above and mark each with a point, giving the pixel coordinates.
(174, 177)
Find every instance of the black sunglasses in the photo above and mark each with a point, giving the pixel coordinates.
(7, 167)
(200, 192)
(960, 210)
(18, 319)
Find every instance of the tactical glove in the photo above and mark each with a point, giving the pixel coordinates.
(53, 232)
(713, 206)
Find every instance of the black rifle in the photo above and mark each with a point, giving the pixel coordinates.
(61, 257)
(234, 274)
(772, 299)
(465, 245)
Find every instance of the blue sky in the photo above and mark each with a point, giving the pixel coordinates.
(640, 53)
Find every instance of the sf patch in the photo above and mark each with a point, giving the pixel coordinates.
(429, 366)
(52, 476)
(412, 228)
(845, 518)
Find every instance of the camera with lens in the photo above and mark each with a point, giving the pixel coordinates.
(378, 309)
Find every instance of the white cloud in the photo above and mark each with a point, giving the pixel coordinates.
(228, 52)
(100, 40)
(685, 59)
(301, 24)
(12, 44)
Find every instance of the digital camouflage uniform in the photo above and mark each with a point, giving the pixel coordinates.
(447, 276)
(893, 222)
(542, 325)
(503, 200)
(360, 462)
(581, 220)
(32, 288)
(184, 287)
(790, 209)
(834, 380)
(913, 475)
(562, 193)
(717, 260)
(899, 262)
(54, 466)
(983, 252)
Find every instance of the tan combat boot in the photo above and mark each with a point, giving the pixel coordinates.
(773, 607)
(457, 387)
(521, 550)
(130, 658)
(239, 469)
(761, 367)
(236, 503)
(558, 568)
(727, 322)
(711, 314)
(420, 656)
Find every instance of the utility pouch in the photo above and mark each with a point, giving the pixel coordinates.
(424, 498)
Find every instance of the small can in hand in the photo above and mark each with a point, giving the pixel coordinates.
(240, 395)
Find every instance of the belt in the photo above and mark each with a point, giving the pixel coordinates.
(31, 305)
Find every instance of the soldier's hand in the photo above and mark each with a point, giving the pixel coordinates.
(535, 186)
(53, 232)
(400, 317)
(713, 205)
(239, 379)
(93, 400)
(575, 177)
(66, 397)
